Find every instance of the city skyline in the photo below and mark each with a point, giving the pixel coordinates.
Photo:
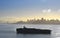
(39, 21)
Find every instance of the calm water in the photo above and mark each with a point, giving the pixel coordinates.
(9, 31)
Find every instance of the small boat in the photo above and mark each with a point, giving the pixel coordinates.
(32, 31)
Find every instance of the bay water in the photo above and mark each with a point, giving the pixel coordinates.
(9, 31)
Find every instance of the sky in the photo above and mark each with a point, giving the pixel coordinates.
(15, 10)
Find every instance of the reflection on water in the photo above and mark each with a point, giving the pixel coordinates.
(33, 36)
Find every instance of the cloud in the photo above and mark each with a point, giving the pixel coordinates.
(46, 10)
(43, 11)
(49, 10)
(58, 10)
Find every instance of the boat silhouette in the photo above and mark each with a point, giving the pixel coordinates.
(32, 31)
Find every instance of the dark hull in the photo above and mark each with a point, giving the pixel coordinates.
(32, 31)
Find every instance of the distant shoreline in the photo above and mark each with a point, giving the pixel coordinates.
(34, 24)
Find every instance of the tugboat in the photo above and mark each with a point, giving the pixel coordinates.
(32, 31)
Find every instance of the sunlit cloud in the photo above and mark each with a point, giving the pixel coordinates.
(46, 10)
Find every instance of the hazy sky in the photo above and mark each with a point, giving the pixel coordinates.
(22, 9)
